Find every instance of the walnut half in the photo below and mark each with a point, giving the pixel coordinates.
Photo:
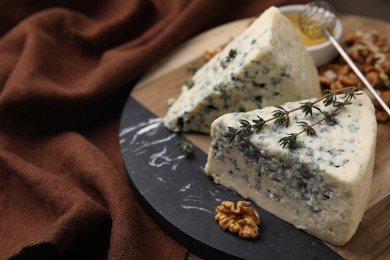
(241, 218)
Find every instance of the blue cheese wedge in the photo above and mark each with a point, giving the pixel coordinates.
(266, 65)
(321, 187)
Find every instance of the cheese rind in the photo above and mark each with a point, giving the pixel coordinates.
(321, 187)
(266, 65)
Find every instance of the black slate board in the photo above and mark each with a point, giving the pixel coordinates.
(179, 196)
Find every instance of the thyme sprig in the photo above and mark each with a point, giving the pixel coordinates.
(281, 117)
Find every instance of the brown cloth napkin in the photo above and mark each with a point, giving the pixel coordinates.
(66, 68)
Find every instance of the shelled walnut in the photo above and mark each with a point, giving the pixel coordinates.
(371, 54)
(238, 218)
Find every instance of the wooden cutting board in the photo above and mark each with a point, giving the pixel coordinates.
(164, 81)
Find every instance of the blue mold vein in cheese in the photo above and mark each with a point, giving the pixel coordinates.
(321, 187)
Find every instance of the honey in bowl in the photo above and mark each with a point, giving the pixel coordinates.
(307, 41)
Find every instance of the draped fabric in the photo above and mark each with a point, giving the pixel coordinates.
(66, 69)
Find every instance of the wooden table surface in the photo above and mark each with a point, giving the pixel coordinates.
(372, 239)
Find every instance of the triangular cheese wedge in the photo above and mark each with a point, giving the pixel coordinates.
(266, 65)
(322, 186)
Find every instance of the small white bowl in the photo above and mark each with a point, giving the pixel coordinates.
(322, 53)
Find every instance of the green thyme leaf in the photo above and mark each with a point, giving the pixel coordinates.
(246, 129)
(307, 128)
(290, 141)
(281, 117)
(231, 134)
(330, 99)
(307, 108)
(329, 119)
(187, 148)
(258, 124)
